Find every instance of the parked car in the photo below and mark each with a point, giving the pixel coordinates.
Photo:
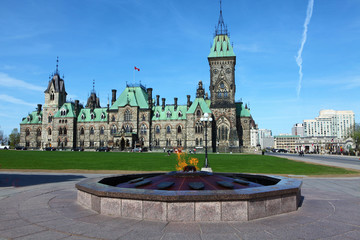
(282, 151)
(77, 149)
(136, 150)
(20, 148)
(50, 149)
(103, 149)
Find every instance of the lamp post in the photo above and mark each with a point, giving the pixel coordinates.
(206, 119)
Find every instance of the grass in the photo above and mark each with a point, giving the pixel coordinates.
(158, 162)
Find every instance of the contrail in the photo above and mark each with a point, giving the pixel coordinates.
(299, 57)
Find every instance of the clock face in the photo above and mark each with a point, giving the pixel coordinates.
(228, 70)
(215, 71)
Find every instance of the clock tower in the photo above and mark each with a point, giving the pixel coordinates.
(222, 62)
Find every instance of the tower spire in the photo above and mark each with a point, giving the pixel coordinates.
(57, 65)
(93, 90)
(221, 28)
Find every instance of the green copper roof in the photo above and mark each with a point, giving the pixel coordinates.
(241, 111)
(221, 47)
(203, 105)
(169, 113)
(32, 118)
(133, 96)
(100, 115)
(69, 108)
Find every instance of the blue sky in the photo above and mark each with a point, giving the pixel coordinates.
(170, 40)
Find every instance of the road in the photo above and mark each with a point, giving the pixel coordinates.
(331, 160)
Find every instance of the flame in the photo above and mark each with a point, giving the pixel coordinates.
(183, 160)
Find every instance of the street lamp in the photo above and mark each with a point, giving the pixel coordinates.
(206, 119)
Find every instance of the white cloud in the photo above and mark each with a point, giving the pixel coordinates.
(7, 81)
(10, 99)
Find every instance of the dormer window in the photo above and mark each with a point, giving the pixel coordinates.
(50, 118)
(168, 114)
(92, 116)
(143, 118)
(198, 113)
(63, 112)
(180, 114)
(157, 114)
(82, 116)
(103, 116)
(39, 118)
(28, 118)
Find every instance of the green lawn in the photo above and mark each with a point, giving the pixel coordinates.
(157, 162)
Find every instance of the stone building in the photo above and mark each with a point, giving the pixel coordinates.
(136, 119)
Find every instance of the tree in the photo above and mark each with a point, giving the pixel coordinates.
(14, 137)
(355, 134)
(1, 137)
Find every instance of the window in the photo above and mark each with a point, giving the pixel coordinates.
(91, 143)
(92, 116)
(39, 118)
(49, 131)
(83, 116)
(198, 113)
(103, 116)
(81, 143)
(223, 132)
(225, 94)
(27, 144)
(50, 119)
(101, 143)
(82, 131)
(65, 131)
(38, 132)
(127, 116)
(66, 141)
(113, 118)
(143, 129)
(198, 127)
(157, 129)
(197, 142)
(178, 142)
(59, 121)
(91, 131)
(113, 129)
(168, 142)
(180, 114)
(168, 114)
(60, 131)
(168, 129)
(28, 119)
(27, 132)
(52, 96)
(143, 118)
(157, 114)
(63, 112)
(179, 129)
(128, 129)
(200, 142)
(101, 130)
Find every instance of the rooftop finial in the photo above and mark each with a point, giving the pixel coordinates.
(57, 65)
(221, 28)
(93, 85)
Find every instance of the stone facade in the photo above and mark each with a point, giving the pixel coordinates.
(136, 119)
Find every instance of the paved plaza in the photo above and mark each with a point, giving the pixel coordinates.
(43, 206)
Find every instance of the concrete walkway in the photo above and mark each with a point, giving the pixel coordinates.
(43, 206)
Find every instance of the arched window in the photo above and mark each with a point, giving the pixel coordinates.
(101, 130)
(197, 142)
(66, 141)
(49, 118)
(128, 129)
(198, 113)
(168, 129)
(223, 132)
(157, 114)
(157, 129)
(113, 118)
(168, 114)
(143, 129)
(225, 94)
(83, 116)
(143, 118)
(52, 96)
(200, 142)
(39, 118)
(38, 132)
(60, 131)
(198, 127)
(49, 131)
(103, 116)
(180, 114)
(92, 116)
(27, 132)
(179, 129)
(65, 131)
(127, 116)
(82, 132)
(113, 129)
(91, 131)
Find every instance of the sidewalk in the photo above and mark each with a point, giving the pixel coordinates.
(45, 208)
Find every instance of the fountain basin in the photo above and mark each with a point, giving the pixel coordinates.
(263, 196)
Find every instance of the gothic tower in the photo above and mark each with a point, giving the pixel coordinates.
(222, 62)
(55, 97)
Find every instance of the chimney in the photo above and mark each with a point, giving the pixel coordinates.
(157, 100)
(188, 101)
(76, 107)
(113, 99)
(39, 109)
(175, 103)
(163, 103)
(149, 92)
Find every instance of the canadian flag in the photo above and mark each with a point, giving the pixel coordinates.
(137, 68)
